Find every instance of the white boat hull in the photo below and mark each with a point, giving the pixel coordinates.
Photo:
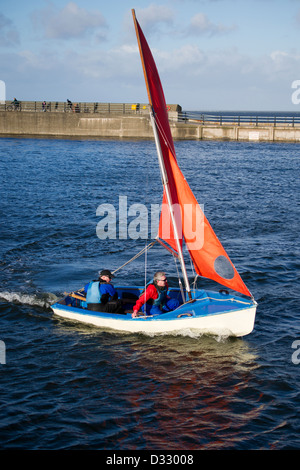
(191, 316)
(238, 323)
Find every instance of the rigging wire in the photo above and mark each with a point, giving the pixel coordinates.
(179, 279)
(146, 201)
(150, 245)
(159, 133)
(162, 133)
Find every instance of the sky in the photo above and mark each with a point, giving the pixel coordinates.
(212, 55)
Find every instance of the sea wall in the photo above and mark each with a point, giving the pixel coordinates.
(134, 126)
(68, 125)
(250, 132)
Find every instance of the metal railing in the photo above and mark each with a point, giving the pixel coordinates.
(80, 107)
(255, 120)
(174, 111)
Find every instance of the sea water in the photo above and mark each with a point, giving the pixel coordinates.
(66, 385)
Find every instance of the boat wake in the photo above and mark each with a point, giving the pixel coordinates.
(219, 336)
(43, 300)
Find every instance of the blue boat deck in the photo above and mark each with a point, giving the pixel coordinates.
(203, 303)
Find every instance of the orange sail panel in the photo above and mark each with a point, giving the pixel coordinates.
(208, 255)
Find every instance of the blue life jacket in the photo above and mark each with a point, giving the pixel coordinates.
(93, 294)
(96, 289)
(162, 297)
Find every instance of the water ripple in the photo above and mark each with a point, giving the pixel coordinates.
(71, 386)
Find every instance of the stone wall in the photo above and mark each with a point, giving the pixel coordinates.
(77, 125)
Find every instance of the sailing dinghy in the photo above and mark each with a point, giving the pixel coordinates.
(207, 312)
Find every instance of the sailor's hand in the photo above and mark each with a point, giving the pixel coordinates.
(134, 314)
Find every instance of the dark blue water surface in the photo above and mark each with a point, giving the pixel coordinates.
(66, 385)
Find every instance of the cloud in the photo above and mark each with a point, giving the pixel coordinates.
(227, 78)
(194, 78)
(200, 24)
(69, 22)
(153, 17)
(283, 63)
(9, 36)
(298, 19)
(158, 19)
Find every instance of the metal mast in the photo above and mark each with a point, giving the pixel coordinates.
(167, 189)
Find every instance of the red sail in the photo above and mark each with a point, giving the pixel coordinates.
(158, 103)
(208, 255)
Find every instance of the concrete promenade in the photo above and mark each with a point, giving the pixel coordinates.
(135, 124)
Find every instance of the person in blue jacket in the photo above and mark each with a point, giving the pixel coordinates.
(101, 296)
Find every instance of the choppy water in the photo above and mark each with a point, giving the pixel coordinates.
(71, 386)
